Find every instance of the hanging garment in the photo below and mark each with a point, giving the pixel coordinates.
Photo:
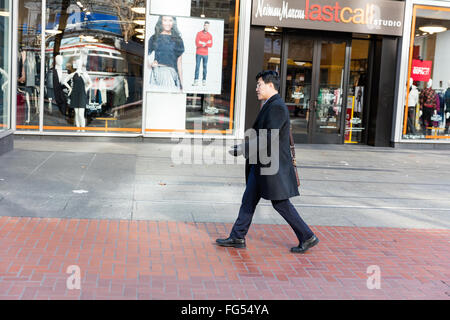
(120, 97)
(78, 96)
(30, 69)
(61, 98)
(447, 100)
(49, 84)
(1, 97)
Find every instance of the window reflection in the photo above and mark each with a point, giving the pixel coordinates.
(427, 103)
(104, 39)
(357, 92)
(29, 62)
(4, 65)
(99, 40)
(216, 112)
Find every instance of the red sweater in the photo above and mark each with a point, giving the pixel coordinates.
(203, 37)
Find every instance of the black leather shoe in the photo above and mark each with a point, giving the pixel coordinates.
(311, 242)
(231, 242)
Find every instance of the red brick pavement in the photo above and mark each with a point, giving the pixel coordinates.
(176, 260)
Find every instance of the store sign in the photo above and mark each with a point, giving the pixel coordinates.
(421, 70)
(361, 16)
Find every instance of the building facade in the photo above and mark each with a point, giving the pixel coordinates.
(355, 72)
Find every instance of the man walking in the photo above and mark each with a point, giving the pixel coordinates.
(203, 42)
(277, 187)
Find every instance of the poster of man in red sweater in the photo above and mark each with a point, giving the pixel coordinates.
(203, 41)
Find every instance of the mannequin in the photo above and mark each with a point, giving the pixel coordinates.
(447, 107)
(413, 98)
(78, 93)
(428, 105)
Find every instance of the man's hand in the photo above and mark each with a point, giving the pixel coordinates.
(236, 150)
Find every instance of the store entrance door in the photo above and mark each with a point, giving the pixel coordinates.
(315, 74)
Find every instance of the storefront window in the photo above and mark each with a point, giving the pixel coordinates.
(298, 88)
(427, 105)
(82, 69)
(94, 53)
(272, 49)
(357, 92)
(4, 64)
(191, 66)
(28, 65)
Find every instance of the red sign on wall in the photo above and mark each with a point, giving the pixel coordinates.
(421, 70)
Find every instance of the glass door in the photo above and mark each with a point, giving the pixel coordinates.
(326, 115)
(314, 82)
(298, 85)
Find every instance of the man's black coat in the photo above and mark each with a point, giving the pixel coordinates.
(283, 184)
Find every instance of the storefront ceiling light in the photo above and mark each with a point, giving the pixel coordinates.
(140, 30)
(79, 4)
(274, 60)
(88, 38)
(4, 14)
(140, 36)
(433, 29)
(139, 22)
(138, 10)
(53, 31)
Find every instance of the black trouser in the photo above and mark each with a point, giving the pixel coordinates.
(427, 113)
(411, 120)
(283, 207)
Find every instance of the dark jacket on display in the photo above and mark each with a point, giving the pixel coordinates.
(78, 97)
(283, 184)
(60, 96)
(447, 100)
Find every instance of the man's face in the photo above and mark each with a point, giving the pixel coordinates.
(263, 90)
(206, 27)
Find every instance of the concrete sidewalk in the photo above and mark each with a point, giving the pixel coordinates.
(341, 185)
(139, 226)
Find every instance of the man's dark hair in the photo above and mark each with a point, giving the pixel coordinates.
(206, 22)
(270, 76)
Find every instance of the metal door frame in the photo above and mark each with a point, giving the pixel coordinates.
(318, 37)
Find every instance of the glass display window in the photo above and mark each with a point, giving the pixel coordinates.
(427, 103)
(5, 34)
